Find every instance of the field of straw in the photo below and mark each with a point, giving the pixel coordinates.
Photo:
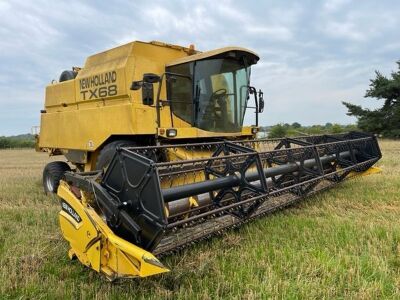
(344, 243)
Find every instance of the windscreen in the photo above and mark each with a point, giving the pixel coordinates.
(215, 97)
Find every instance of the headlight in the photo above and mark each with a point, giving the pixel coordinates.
(254, 130)
(171, 132)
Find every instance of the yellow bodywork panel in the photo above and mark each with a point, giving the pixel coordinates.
(61, 94)
(96, 246)
(370, 171)
(87, 129)
(193, 132)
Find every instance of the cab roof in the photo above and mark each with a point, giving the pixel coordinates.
(232, 52)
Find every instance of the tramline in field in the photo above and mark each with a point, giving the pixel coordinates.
(162, 159)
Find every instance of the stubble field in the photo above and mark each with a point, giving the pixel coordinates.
(344, 243)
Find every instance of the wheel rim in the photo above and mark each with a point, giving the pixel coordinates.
(49, 184)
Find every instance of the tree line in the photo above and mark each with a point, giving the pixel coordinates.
(19, 141)
(296, 129)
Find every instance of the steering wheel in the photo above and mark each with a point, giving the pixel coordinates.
(219, 96)
(219, 93)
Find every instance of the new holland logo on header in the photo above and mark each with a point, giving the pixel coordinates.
(69, 210)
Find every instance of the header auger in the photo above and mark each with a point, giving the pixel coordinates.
(161, 157)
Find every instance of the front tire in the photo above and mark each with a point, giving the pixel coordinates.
(107, 153)
(52, 174)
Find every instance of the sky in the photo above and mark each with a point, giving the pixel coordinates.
(313, 54)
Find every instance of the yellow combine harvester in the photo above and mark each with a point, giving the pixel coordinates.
(161, 157)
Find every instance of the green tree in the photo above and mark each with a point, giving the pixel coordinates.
(385, 120)
(4, 143)
(336, 128)
(316, 129)
(296, 125)
(19, 141)
(278, 131)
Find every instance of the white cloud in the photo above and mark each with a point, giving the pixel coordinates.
(274, 32)
(334, 5)
(345, 30)
(194, 21)
(360, 22)
(22, 30)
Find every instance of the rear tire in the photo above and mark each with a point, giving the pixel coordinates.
(108, 151)
(52, 174)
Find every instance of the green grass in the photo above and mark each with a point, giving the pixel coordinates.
(344, 243)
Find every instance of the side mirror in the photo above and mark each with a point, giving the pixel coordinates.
(260, 101)
(136, 85)
(147, 93)
(151, 78)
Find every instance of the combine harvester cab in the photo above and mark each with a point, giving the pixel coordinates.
(155, 207)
